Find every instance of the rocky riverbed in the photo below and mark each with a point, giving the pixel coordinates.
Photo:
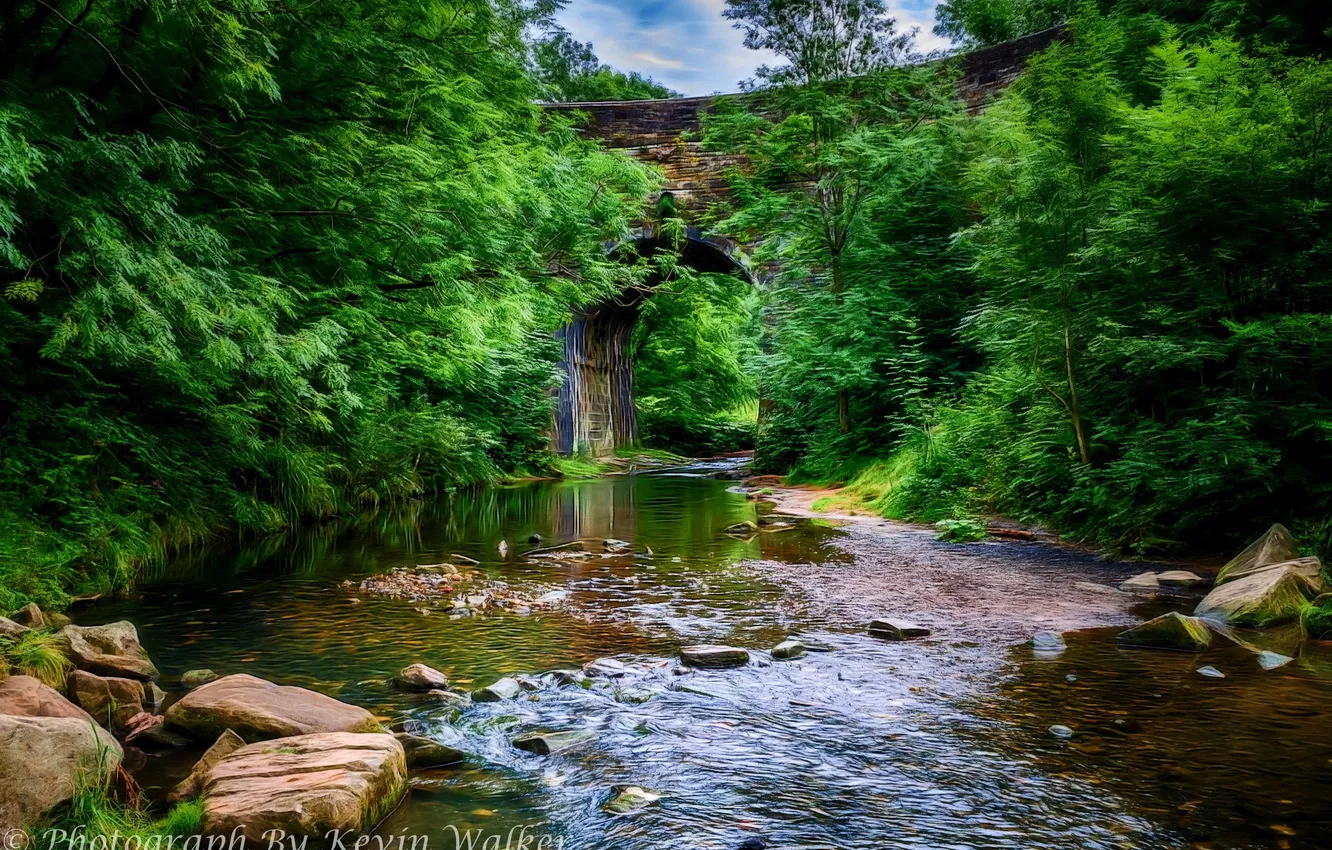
(810, 686)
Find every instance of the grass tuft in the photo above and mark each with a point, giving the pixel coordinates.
(37, 654)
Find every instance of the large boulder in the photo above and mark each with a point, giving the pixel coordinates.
(27, 697)
(1169, 631)
(112, 700)
(1276, 546)
(42, 759)
(1267, 598)
(258, 710)
(110, 650)
(306, 785)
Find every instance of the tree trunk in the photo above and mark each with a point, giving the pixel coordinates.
(1073, 392)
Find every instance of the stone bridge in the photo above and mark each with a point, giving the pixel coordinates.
(595, 409)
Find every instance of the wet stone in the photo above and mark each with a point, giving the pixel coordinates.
(419, 677)
(607, 667)
(714, 656)
(1141, 583)
(1269, 660)
(893, 629)
(629, 799)
(1180, 578)
(192, 679)
(1169, 631)
(1211, 672)
(550, 743)
(1061, 731)
(505, 688)
(1048, 642)
(788, 649)
(423, 752)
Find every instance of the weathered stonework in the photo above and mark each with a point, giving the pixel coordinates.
(595, 409)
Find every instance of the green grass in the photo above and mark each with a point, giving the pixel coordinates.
(37, 654)
(579, 466)
(95, 811)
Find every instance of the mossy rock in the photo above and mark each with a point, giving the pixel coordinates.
(1268, 598)
(1169, 631)
(1276, 545)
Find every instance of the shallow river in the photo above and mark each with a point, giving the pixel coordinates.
(938, 743)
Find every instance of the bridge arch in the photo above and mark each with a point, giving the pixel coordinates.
(595, 409)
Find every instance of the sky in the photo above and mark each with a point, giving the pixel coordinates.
(688, 45)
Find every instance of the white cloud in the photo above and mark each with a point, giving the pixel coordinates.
(689, 46)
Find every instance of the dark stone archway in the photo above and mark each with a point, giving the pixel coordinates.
(595, 408)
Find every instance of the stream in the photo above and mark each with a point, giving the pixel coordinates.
(937, 743)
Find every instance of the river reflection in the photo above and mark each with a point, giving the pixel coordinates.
(939, 743)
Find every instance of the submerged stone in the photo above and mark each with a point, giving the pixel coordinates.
(550, 743)
(742, 529)
(893, 629)
(1211, 672)
(1048, 642)
(628, 799)
(1267, 598)
(714, 656)
(1169, 631)
(1061, 731)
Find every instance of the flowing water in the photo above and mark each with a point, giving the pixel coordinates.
(936, 743)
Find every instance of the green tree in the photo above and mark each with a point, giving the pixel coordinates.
(264, 261)
(570, 72)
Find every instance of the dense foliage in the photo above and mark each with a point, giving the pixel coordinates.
(264, 261)
(1103, 304)
(695, 351)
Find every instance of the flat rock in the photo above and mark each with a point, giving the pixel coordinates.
(1269, 660)
(1048, 642)
(190, 787)
(1269, 597)
(1141, 583)
(1275, 546)
(506, 688)
(110, 650)
(713, 656)
(27, 697)
(894, 629)
(452, 699)
(629, 799)
(257, 710)
(788, 649)
(42, 759)
(191, 679)
(1180, 578)
(1169, 631)
(419, 677)
(305, 785)
(423, 752)
(550, 743)
(109, 699)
